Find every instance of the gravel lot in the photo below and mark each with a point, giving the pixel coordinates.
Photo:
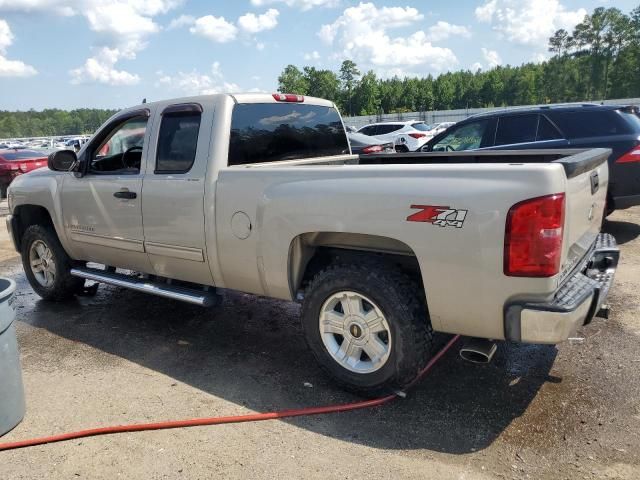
(535, 412)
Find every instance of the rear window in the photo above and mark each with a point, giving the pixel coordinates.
(633, 119)
(22, 155)
(590, 123)
(423, 127)
(271, 132)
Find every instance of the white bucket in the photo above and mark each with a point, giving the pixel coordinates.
(12, 405)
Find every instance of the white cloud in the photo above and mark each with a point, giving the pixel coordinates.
(100, 69)
(253, 23)
(60, 7)
(312, 56)
(528, 22)
(491, 57)
(476, 66)
(11, 68)
(196, 83)
(123, 25)
(216, 29)
(182, 21)
(361, 33)
(301, 4)
(443, 30)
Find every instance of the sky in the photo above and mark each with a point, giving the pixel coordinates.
(113, 53)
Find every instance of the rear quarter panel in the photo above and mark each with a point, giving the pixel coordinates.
(461, 268)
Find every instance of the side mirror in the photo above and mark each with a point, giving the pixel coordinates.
(62, 160)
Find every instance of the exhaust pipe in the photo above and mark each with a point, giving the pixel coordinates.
(478, 350)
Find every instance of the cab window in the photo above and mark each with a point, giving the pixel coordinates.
(177, 142)
(121, 150)
(465, 137)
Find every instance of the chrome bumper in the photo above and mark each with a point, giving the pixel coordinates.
(575, 303)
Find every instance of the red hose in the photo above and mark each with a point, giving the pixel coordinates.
(256, 417)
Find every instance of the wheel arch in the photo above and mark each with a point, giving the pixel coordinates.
(310, 252)
(29, 214)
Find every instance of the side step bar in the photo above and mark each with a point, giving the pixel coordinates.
(189, 295)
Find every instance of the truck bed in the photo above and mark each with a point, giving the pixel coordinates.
(574, 161)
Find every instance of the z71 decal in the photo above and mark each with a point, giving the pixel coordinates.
(438, 215)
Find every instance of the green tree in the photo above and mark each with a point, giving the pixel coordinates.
(349, 74)
(292, 80)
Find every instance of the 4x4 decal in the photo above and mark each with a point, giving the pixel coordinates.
(438, 215)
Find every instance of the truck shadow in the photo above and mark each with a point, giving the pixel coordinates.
(250, 351)
(623, 231)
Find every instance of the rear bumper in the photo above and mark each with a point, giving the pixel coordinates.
(574, 304)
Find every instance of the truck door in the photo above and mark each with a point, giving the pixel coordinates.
(102, 210)
(173, 193)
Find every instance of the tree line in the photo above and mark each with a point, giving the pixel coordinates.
(52, 122)
(599, 59)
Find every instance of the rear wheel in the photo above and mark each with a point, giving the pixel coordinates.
(47, 266)
(367, 326)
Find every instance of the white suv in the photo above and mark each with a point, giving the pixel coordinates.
(412, 132)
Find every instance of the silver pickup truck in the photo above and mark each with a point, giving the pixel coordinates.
(259, 193)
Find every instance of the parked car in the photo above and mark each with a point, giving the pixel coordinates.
(14, 162)
(564, 126)
(411, 132)
(264, 197)
(439, 128)
(364, 144)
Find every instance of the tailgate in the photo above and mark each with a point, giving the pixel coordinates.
(586, 193)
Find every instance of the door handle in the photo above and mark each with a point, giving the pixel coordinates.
(125, 194)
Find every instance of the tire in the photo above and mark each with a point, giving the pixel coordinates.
(58, 283)
(3, 191)
(400, 302)
(402, 149)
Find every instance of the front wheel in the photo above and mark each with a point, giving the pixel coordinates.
(46, 264)
(367, 326)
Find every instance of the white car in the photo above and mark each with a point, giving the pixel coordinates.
(413, 133)
(439, 127)
(414, 141)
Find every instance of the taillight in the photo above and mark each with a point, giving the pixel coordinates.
(373, 149)
(417, 135)
(288, 97)
(632, 155)
(533, 237)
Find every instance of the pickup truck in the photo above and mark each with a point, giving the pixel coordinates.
(259, 193)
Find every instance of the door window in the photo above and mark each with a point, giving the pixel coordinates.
(177, 142)
(547, 131)
(370, 130)
(465, 137)
(384, 129)
(121, 151)
(514, 129)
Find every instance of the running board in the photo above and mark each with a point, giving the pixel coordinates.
(189, 295)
